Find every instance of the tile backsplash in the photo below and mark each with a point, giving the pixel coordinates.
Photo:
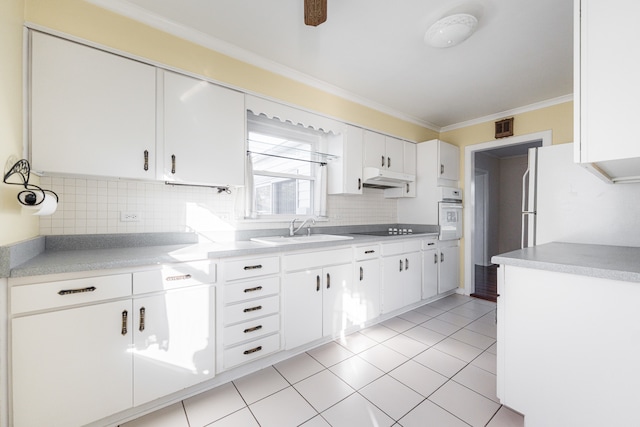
(95, 206)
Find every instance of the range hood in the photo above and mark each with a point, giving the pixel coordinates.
(383, 178)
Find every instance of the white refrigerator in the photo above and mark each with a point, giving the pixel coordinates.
(563, 202)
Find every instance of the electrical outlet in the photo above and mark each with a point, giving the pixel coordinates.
(129, 216)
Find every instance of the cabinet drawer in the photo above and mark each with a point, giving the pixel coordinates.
(251, 309)
(367, 252)
(247, 268)
(174, 276)
(430, 243)
(412, 245)
(251, 330)
(250, 289)
(392, 248)
(252, 350)
(317, 259)
(43, 296)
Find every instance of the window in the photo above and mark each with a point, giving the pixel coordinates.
(285, 176)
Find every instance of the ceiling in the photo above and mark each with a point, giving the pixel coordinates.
(373, 51)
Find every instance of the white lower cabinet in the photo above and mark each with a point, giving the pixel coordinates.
(401, 274)
(314, 297)
(366, 284)
(71, 367)
(430, 262)
(85, 359)
(449, 265)
(250, 310)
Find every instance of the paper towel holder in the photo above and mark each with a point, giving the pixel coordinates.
(21, 172)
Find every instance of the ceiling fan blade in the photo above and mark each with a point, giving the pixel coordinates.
(315, 12)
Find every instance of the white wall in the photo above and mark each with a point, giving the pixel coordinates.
(93, 206)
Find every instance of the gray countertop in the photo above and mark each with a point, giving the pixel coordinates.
(87, 258)
(607, 262)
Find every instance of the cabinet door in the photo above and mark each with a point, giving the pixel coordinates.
(429, 273)
(71, 367)
(449, 156)
(412, 278)
(92, 112)
(336, 299)
(204, 128)
(345, 172)
(394, 149)
(392, 288)
(303, 307)
(366, 292)
(374, 150)
(174, 342)
(449, 268)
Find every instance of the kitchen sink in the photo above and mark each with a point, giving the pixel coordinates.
(291, 240)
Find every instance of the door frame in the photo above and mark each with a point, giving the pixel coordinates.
(484, 176)
(469, 193)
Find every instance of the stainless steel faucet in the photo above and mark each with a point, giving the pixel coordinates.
(293, 231)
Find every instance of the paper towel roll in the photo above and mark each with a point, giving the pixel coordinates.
(47, 207)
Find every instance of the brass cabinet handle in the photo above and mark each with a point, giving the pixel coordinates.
(406, 263)
(253, 350)
(361, 273)
(142, 313)
(173, 163)
(125, 315)
(318, 283)
(253, 329)
(359, 184)
(146, 160)
(76, 291)
(253, 267)
(400, 265)
(250, 309)
(257, 288)
(180, 277)
(328, 280)
(382, 164)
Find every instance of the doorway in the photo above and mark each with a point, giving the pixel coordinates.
(493, 195)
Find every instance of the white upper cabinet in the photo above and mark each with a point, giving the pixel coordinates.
(448, 167)
(203, 128)
(383, 152)
(345, 172)
(91, 112)
(606, 89)
(409, 164)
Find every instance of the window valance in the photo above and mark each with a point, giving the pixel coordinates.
(284, 113)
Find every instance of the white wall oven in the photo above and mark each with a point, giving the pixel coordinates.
(450, 214)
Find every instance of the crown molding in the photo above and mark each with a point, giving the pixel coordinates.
(520, 110)
(139, 14)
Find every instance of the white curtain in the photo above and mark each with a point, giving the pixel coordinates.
(249, 202)
(320, 202)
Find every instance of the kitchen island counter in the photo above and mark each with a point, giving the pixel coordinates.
(601, 261)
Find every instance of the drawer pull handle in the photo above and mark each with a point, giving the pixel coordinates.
(76, 291)
(253, 350)
(255, 328)
(371, 251)
(142, 313)
(125, 315)
(431, 244)
(182, 277)
(253, 267)
(257, 288)
(250, 309)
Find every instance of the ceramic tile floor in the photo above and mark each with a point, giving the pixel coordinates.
(433, 366)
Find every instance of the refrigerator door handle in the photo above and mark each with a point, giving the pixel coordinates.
(524, 207)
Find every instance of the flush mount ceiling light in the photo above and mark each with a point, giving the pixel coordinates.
(451, 30)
